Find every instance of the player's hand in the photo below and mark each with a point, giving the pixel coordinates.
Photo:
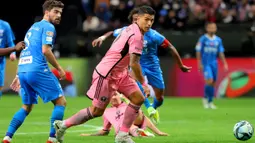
(163, 134)
(15, 85)
(20, 46)
(13, 57)
(97, 42)
(62, 74)
(146, 90)
(185, 68)
(225, 67)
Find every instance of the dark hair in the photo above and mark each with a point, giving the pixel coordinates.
(132, 12)
(208, 23)
(50, 4)
(146, 10)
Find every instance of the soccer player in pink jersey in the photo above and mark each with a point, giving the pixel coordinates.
(114, 116)
(112, 75)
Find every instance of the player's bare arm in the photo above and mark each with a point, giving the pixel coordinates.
(178, 59)
(137, 71)
(52, 60)
(198, 56)
(153, 128)
(223, 59)
(19, 46)
(99, 40)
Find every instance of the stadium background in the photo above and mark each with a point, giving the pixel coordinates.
(180, 21)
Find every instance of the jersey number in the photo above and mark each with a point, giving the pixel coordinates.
(26, 39)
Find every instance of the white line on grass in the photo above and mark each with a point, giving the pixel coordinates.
(92, 128)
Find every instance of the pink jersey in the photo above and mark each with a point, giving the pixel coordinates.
(114, 117)
(117, 58)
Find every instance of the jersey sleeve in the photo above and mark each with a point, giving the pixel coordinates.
(135, 44)
(159, 39)
(48, 35)
(107, 125)
(221, 47)
(116, 32)
(9, 36)
(199, 44)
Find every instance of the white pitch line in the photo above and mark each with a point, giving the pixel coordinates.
(37, 133)
(94, 128)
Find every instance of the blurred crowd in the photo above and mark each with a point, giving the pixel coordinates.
(171, 14)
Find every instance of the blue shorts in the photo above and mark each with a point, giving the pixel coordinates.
(43, 84)
(154, 76)
(211, 72)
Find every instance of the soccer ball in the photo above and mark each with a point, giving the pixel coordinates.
(243, 130)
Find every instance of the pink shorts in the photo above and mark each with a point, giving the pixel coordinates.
(102, 88)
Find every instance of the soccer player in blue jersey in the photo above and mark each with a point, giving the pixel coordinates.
(34, 75)
(6, 40)
(150, 63)
(208, 48)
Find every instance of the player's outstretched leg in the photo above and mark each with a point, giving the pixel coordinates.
(17, 120)
(136, 100)
(80, 117)
(57, 114)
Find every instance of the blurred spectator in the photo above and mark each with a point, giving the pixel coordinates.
(93, 23)
(102, 12)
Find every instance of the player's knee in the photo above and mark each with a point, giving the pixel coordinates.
(159, 94)
(27, 108)
(96, 112)
(60, 101)
(1, 88)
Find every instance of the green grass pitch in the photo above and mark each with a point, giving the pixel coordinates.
(183, 118)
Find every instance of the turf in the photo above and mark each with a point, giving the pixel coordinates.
(183, 118)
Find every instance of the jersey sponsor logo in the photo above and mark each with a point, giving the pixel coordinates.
(210, 50)
(25, 60)
(1, 32)
(49, 39)
(49, 33)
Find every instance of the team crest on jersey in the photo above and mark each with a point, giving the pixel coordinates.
(49, 33)
(1, 32)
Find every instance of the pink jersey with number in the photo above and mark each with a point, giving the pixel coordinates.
(129, 41)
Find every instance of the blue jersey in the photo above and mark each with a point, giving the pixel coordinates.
(6, 37)
(32, 58)
(209, 49)
(152, 40)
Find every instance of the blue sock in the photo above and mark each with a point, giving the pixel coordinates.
(209, 92)
(16, 122)
(1, 93)
(156, 103)
(146, 102)
(57, 114)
